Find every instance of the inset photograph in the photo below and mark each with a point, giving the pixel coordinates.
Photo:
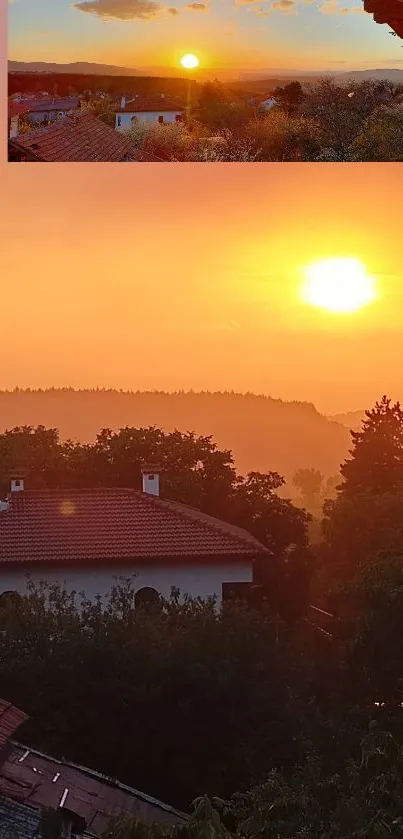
(205, 82)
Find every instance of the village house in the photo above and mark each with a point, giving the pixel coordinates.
(16, 110)
(86, 538)
(84, 800)
(268, 103)
(76, 138)
(158, 109)
(49, 108)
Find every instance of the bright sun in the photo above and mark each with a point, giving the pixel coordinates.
(338, 285)
(190, 61)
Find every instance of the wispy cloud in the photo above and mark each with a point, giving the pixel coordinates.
(124, 9)
(197, 7)
(285, 6)
(332, 7)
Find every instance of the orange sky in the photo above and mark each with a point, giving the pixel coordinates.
(236, 34)
(179, 276)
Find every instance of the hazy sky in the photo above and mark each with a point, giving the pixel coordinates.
(335, 34)
(158, 276)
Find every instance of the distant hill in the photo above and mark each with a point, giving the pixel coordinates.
(269, 83)
(76, 67)
(351, 420)
(392, 75)
(263, 433)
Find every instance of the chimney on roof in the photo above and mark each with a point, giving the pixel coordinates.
(151, 479)
(123, 103)
(17, 482)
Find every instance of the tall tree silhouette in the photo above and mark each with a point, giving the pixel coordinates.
(309, 482)
(376, 462)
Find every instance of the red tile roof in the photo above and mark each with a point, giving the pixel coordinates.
(99, 525)
(75, 138)
(150, 104)
(387, 11)
(10, 719)
(29, 775)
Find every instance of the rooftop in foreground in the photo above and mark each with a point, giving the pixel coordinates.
(31, 781)
(78, 137)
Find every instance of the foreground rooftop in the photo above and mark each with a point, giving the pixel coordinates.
(75, 138)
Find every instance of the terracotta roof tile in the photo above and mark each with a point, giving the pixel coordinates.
(149, 103)
(88, 525)
(75, 138)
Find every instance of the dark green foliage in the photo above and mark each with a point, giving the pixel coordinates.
(217, 108)
(363, 800)
(208, 694)
(376, 463)
(290, 96)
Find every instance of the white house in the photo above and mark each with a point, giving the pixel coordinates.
(16, 110)
(150, 109)
(269, 103)
(83, 539)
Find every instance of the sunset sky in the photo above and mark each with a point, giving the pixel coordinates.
(183, 277)
(240, 34)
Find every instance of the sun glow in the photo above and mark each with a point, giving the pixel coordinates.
(338, 285)
(190, 61)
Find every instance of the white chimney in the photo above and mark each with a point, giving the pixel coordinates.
(17, 484)
(123, 103)
(151, 479)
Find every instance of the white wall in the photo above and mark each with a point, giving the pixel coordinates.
(268, 104)
(39, 116)
(146, 116)
(14, 129)
(197, 579)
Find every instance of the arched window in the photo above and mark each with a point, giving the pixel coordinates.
(146, 596)
(9, 597)
(9, 602)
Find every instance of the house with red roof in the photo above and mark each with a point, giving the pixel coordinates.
(157, 109)
(85, 539)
